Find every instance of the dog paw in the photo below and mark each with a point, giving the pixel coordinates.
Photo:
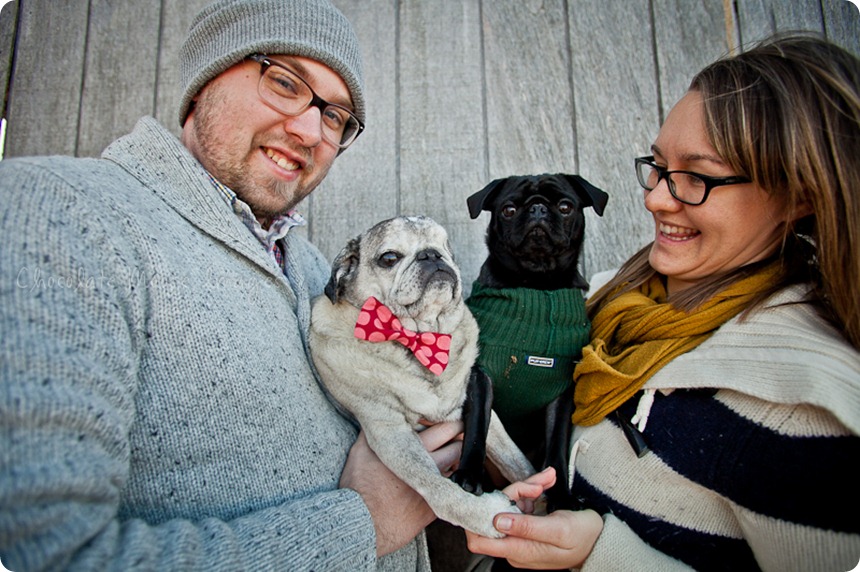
(468, 481)
(494, 503)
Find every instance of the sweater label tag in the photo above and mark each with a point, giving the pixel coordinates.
(538, 361)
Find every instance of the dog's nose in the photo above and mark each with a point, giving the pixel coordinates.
(429, 254)
(538, 209)
(431, 260)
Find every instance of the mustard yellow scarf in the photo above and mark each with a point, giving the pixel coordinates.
(637, 333)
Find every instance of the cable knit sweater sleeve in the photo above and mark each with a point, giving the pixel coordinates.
(157, 410)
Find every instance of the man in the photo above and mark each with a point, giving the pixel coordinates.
(158, 409)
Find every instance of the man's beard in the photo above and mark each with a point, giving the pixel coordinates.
(226, 157)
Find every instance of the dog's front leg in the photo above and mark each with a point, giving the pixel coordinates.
(476, 422)
(400, 449)
(504, 453)
(557, 439)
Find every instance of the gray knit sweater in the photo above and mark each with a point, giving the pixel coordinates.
(157, 406)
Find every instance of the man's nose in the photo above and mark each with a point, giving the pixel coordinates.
(307, 126)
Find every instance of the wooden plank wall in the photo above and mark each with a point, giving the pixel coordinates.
(460, 92)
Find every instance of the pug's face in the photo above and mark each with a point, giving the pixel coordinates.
(407, 264)
(537, 225)
(536, 229)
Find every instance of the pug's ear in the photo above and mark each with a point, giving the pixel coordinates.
(588, 192)
(480, 200)
(343, 270)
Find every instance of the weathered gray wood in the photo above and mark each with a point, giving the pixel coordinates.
(44, 101)
(459, 92)
(530, 120)
(690, 36)
(441, 133)
(761, 18)
(362, 187)
(119, 79)
(8, 15)
(613, 69)
(842, 23)
(175, 20)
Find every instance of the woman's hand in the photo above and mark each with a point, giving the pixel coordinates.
(563, 539)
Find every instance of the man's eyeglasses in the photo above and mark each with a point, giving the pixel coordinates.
(688, 187)
(283, 90)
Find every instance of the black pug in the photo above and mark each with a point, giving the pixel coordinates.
(529, 303)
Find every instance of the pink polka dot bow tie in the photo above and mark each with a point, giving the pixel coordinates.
(376, 323)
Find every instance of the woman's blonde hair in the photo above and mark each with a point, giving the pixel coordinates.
(786, 114)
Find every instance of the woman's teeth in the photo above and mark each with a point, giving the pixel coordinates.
(281, 161)
(677, 233)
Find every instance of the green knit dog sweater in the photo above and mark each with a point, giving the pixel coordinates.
(530, 341)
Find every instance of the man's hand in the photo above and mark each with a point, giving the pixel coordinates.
(398, 512)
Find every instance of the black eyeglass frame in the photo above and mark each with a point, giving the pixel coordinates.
(316, 100)
(662, 173)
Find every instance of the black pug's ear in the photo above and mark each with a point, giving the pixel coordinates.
(343, 270)
(592, 195)
(479, 200)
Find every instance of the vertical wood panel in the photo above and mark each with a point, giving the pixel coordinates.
(441, 119)
(690, 35)
(362, 186)
(8, 15)
(176, 17)
(44, 100)
(530, 118)
(842, 23)
(119, 79)
(614, 73)
(761, 18)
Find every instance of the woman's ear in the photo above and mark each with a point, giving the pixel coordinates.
(798, 211)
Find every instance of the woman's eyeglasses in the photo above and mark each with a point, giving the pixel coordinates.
(686, 186)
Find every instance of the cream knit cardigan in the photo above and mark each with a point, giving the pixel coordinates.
(767, 366)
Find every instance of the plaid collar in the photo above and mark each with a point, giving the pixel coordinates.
(267, 237)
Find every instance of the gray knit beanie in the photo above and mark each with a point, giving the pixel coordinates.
(227, 31)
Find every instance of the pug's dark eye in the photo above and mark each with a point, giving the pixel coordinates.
(565, 207)
(508, 211)
(388, 259)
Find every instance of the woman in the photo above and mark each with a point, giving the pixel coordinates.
(718, 404)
